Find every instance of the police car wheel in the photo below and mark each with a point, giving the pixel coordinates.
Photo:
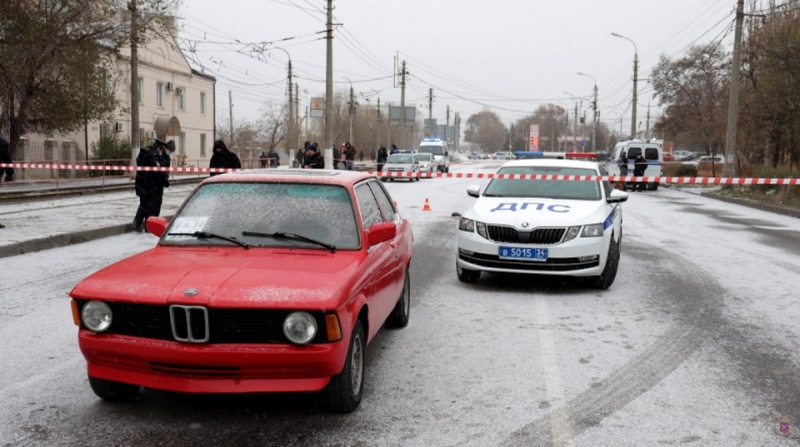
(468, 276)
(609, 273)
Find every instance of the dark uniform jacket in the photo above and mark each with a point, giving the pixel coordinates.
(151, 182)
(224, 159)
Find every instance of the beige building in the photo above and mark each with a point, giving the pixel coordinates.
(176, 103)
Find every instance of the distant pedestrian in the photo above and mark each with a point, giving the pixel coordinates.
(313, 160)
(639, 168)
(337, 156)
(263, 159)
(394, 149)
(361, 156)
(223, 158)
(382, 156)
(6, 174)
(149, 184)
(349, 156)
(274, 159)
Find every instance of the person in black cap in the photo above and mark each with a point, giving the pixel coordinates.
(150, 184)
(313, 159)
(223, 158)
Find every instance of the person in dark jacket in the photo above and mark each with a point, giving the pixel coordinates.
(223, 158)
(5, 157)
(313, 159)
(150, 184)
(382, 156)
(639, 168)
(394, 150)
(349, 153)
(337, 156)
(274, 159)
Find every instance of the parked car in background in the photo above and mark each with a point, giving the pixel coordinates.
(708, 159)
(427, 164)
(681, 155)
(264, 281)
(401, 166)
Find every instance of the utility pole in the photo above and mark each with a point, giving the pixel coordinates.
(457, 122)
(291, 118)
(594, 123)
(447, 123)
(635, 95)
(135, 143)
(733, 103)
(297, 123)
(378, 136)
(575, 129)
(647, 129)
(430, 113)
(230, 117)
(352, 112)
(403, 104)
(329, 79)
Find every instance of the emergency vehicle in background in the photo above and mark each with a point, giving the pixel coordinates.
(624, 153)
(440, 151)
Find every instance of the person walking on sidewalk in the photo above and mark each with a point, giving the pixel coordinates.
(349, 156)
(5, 157)
(223, 158)
(150, 184)
(382, 156)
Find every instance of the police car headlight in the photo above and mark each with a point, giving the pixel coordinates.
(572, 233)
(300, 327)
(96, 316)
(595, 230)
(482, 230)
(467, 225)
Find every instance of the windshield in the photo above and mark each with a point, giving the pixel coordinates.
(428, 149)
(321, 212)
(424, 158)
(551, 189)
(400, 159)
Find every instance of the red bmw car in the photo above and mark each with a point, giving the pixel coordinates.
(263, 281)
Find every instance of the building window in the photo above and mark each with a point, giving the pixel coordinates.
(182, 143)
(141, 90)
(160, 94)
(202, 103)
(181, 99)
(202, 145)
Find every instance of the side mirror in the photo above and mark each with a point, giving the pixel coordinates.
(474, 191)
(617, 196)
(156, 225)
(381, 232)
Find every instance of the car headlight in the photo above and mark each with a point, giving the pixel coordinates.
(96, 316)
(466, 225)
(300, 327)
(594, 230)
(482, 230)
(572, 233)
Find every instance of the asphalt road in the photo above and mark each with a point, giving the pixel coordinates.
(693, 344)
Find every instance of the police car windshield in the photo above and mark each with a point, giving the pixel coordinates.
(435, 150)
(400, 159)
(549, 189)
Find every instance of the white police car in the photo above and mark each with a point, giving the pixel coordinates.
(543, 227)
(402, 165)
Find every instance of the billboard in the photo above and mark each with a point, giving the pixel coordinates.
(533, 143)
(317, 107)
(394, 116)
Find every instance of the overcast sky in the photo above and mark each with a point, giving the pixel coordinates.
(510, 56)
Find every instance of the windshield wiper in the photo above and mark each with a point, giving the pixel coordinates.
(299, 237)
(207, 235)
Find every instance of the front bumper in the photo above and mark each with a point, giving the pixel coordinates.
(207, 368)
(578, 257)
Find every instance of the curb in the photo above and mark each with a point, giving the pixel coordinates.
(786, 211)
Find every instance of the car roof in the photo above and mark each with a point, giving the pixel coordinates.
(316, 176)
(551, 162)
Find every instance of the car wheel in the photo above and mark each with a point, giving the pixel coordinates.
(654, 186)
(113, 391)
(606, 278)
(468, 276)
(343, 393)
(399, 316)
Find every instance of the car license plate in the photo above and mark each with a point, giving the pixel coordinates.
(525, 254)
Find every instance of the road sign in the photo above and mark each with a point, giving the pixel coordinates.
(584, 142)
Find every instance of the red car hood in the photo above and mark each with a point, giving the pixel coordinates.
(229, 277)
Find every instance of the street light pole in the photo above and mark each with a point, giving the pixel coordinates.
(291, 115)
(351, 110)
(594, 112)
(574, 123)
(635, 80)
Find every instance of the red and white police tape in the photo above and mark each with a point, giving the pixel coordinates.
(457, 175)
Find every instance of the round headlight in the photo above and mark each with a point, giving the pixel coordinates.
(300, 327)
(96, 316)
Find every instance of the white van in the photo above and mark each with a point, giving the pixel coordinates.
(438, 148)
(621, 160)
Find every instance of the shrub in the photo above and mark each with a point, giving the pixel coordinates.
(680, 170)
(112, 151)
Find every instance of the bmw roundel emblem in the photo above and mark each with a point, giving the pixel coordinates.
(191, 292)
(525, 224)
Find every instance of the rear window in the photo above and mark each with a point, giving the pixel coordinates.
(435, 150)
(651, 153)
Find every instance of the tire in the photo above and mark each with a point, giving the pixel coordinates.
(654, 186)
(113, 391)
(399, 316)
(609, 273)
(468, 276)
(343, 393)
